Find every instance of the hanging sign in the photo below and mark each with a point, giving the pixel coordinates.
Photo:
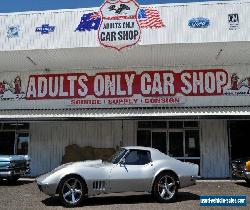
(119, 26)
(133, 88)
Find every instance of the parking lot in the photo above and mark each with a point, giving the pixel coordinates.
(25, 195)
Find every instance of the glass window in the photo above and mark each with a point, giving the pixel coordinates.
(159, 141)
(159, 124)
(175, 124)
(176, 144)
(22, 143)
(7, 141)
(138, 157)
(23, 126)
(117, 156)
(9, 126)
(191, 124)
(192, 143)
(144, 124)
(144, 138)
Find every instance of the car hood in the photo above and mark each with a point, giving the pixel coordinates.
(87, 163)
(80, 164)
(8, 158)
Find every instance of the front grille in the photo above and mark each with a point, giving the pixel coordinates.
(20, 165)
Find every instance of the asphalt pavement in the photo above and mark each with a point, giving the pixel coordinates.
(24, 195)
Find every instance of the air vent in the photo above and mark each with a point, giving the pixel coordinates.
(99, 185)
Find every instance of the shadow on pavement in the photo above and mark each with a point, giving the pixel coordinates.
(131, 199)
(243, 184)
(18, 183)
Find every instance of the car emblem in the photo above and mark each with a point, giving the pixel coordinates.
(199, 22)
(45, 29)
(13, 31)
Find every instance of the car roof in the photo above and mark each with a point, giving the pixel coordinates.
(141, 148)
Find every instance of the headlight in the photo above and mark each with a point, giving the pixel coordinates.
(248, 166)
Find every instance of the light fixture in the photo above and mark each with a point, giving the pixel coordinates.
(30, 59)
(218, 55)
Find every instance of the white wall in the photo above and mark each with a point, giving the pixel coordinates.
(49, 139)
(214, 149)
(175, 17)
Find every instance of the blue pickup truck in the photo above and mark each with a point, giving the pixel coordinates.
(12, 167)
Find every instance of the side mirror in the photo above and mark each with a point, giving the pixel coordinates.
(122, 161)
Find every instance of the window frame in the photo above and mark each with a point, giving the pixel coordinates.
(131, 150)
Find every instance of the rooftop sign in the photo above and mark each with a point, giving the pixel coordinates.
(119, 26)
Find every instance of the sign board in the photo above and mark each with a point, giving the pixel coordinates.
(119, 26)
(134, 88)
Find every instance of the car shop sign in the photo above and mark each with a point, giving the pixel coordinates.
(134, 88)
(119, 26)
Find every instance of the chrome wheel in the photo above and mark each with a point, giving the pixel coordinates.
(72, 191)
(166, 187)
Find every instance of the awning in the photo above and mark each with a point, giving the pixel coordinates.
(128, 113)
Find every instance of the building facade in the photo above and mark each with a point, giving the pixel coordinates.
(175, 77)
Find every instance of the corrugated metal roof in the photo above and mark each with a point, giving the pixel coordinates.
(127, 113)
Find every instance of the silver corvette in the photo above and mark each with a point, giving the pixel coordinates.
(131, 169)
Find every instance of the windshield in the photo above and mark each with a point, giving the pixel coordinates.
(117, 156)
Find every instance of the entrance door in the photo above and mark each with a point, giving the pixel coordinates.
(176, 144)
(185, 145)
(159, 141)
(239, 135)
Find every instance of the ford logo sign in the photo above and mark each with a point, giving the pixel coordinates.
(199, 22)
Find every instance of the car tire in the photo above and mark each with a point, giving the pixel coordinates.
(248, 182)
(165, 187)
(72, 191)
(13, 179)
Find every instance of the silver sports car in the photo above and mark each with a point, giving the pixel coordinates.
(131, 169)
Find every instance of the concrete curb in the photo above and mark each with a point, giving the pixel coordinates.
(219, 180)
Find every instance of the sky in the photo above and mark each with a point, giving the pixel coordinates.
(39, 5)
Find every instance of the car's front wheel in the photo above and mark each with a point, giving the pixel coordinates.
(165, 187)
(72, 191)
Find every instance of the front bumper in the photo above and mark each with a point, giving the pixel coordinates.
(10, 173)
(49, 189)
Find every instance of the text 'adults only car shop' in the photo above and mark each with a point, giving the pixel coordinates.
(175, 77)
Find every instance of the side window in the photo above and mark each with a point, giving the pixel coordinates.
(138, 157)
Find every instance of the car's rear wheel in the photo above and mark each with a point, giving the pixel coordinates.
(72, 191)
(165, 187)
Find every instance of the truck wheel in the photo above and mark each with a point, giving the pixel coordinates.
(72, 190)
(165, 188)
(13, 179)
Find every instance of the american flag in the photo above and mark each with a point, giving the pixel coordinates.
(150, 18)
